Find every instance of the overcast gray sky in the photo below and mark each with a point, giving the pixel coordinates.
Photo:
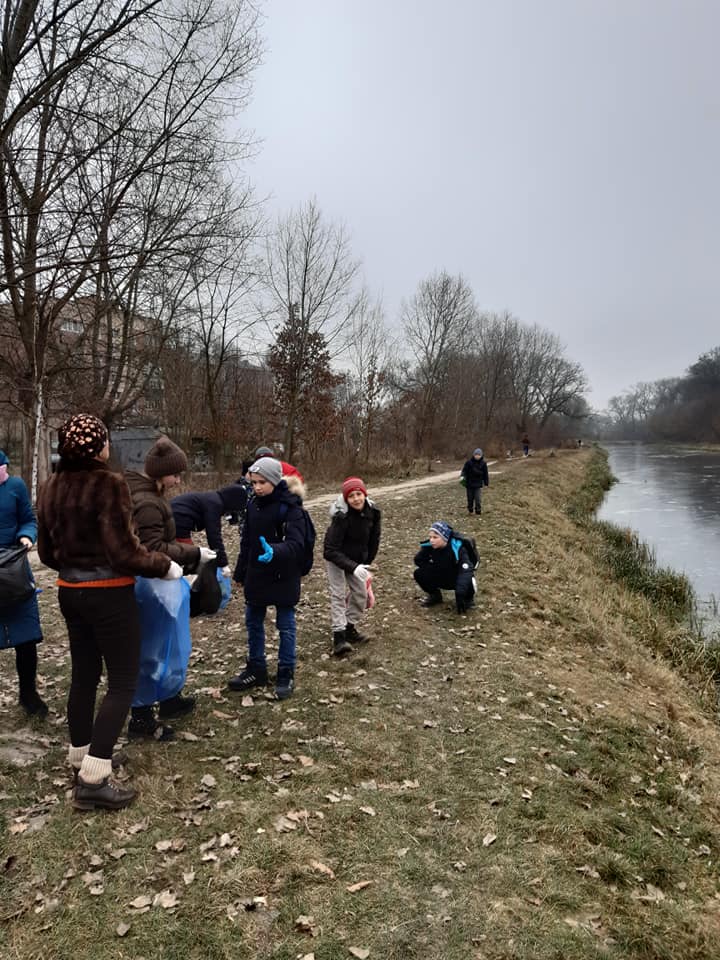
(563, 155)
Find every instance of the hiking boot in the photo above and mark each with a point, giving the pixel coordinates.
(148, 728)
(432, 599)
(176, 706)
(352, 634)
(105, 795)
(285, 683)
(341, 645)
(251, 676)
(32, 704)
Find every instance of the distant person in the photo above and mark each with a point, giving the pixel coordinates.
(444, 563)
(475, 474)
(526, 445)
(20, 622)
(351, 545)
(194, 512)
(86, 533)
(272, 547)
(288, 470)
(164, 463)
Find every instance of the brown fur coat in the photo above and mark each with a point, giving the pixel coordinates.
(85, 525)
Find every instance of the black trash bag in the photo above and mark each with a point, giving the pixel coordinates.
(205, 593)
(16, 582)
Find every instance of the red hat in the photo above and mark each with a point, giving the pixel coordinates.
(352, 483)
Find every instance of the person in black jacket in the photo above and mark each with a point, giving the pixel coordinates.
(351, 545)
(443, 563)
(205, 511)
(475, 475)
(272, 547)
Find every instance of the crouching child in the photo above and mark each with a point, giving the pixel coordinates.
(269, 568)
(444, 562)
(351, 544)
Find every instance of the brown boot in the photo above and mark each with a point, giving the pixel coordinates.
(105, 795)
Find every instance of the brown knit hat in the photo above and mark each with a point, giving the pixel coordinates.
(164, 458)
(81, 437)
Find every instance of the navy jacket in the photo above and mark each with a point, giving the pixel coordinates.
(353, 536)
(448, 568)
(276, 583)
(204, 511)
(476, 473)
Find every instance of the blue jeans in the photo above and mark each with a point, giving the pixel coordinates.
(255, 623)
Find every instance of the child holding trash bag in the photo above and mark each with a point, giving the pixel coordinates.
(160, 615)
(85, 532)
(195, 511)
(351, 544)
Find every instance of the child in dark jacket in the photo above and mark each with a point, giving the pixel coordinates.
(475, 474)
(272, 546)
(205, 511)
(443, 563)
(351, 545)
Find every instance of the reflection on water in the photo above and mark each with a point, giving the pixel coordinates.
(671, 496)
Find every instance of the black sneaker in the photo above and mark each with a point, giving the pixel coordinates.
(352, 634)
(101, 796)
(148, 728)
(341, 645)
(33, 705)
(251, 676)
(285, 683)
(176, 706)
(432, 599)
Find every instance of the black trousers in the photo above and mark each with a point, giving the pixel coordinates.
(474, 499)
(104, 628)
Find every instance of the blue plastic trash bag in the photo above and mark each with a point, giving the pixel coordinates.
(165, 643)
(225, 589)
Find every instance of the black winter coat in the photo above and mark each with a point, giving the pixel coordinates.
(353, 536)
(448, 568)
(204, 511)
(476, 473)
(276, 583)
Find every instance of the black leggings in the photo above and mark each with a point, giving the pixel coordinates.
(103, 627)
(26, 665)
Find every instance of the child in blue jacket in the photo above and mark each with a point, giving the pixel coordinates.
(272, 546)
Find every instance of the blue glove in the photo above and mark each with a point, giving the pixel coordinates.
(267, 556)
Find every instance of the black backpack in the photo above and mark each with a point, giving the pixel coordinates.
(470, 546)
(16, 582)
(308, 538)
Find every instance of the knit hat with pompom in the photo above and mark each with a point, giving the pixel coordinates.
(165, 459)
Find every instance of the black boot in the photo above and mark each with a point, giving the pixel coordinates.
(32, 704)
(341, 646)
(144, 726)
(254, 675)
(352, 634)
(101, 796)
(176, 706)
(432, 599)
(26, 665)
(285, 683)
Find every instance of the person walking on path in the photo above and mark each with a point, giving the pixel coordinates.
(20, 622)
(85, 532)
(443, 563)
(193, 512)
(164, 463)
(526, 445)
(269, 568)
(475, 475)
(351, 545)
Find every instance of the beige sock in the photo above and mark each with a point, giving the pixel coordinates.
(76, 755)
(95, 769)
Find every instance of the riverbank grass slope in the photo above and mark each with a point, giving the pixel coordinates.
(530, 781)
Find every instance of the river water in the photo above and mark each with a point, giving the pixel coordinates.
(670, 495)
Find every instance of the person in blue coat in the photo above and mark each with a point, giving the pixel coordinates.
(272, 546)
(20, 623)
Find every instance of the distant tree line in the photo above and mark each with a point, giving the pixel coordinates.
(683, 408)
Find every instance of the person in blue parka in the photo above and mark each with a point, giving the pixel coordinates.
(20, 623)
(272, 547)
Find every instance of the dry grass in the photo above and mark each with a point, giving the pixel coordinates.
(540, 719)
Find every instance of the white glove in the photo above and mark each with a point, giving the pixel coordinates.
(362, 572)
(225, 571)
(206, 554)
(175, 571)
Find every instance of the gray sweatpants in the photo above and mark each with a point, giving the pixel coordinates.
(348, 596)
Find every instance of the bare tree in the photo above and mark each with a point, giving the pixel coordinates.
(369, 349)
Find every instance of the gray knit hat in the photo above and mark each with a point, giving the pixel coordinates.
(164, 459)
(269, 468)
